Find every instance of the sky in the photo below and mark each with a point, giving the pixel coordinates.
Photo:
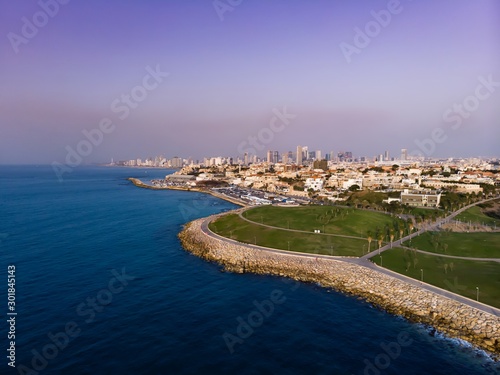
(94, 80)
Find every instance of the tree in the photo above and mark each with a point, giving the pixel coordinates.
(380, 239)
(354, 187)
(369, 240)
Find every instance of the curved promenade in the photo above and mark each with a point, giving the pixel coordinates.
(419, 302)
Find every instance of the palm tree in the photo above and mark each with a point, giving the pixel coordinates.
(369, 240)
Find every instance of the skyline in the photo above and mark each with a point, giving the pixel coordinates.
(206, 79)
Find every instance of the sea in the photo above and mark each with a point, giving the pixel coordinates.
(102, 286)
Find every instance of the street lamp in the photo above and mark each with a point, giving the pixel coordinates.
(477, 293)
(381, 262)
(331, 250)
(364, 245)
(421, 274)
(255, 240)
(288, 245)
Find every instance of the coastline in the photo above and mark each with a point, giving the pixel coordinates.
(137, 182)
(390, 294)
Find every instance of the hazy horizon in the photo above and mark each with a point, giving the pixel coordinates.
(218, 73)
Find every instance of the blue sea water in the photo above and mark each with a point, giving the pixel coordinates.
(169, 312)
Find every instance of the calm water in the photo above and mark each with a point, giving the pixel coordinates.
(168, 311)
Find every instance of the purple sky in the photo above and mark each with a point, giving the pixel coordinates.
(226, 77)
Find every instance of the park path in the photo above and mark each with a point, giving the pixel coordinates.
(364, 260)
(452, 256)
(240, 214)
(363, 263)
(424, 229)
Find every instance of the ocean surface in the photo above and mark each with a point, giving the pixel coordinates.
(104, 287)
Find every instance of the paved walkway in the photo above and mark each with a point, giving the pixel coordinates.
(424, 229)
(452, 256)
(364, 262)
(240, 214)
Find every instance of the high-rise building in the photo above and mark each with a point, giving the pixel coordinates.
(276, 156)
(404, 154)
(269, 156)
(245, 160)
(299, 155)
(318, 155)
(386, 156)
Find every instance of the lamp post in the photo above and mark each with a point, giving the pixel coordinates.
(421, 275)
(477, 293)
(364, 245)
(255, 240)
(381, 262)
(331, 250)
(288, 245)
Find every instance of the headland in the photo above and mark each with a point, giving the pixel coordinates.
(393, 295)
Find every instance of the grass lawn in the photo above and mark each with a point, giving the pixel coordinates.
(234, 227)
(475, 215)
(479, 244)
(458, 276)
(336, 220)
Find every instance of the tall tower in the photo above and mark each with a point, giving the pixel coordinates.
(404, 154)
(299, 155)
(269, 156)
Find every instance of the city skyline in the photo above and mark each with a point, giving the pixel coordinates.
(364, 77)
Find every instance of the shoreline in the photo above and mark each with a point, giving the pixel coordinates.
(394, 296)
(137, 182)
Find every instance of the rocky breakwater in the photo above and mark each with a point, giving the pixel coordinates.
(393, 295)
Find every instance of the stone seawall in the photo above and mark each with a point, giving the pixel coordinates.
(394, 296)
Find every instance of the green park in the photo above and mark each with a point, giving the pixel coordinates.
(434, 256)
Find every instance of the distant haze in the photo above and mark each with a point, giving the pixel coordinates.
(228, 68)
